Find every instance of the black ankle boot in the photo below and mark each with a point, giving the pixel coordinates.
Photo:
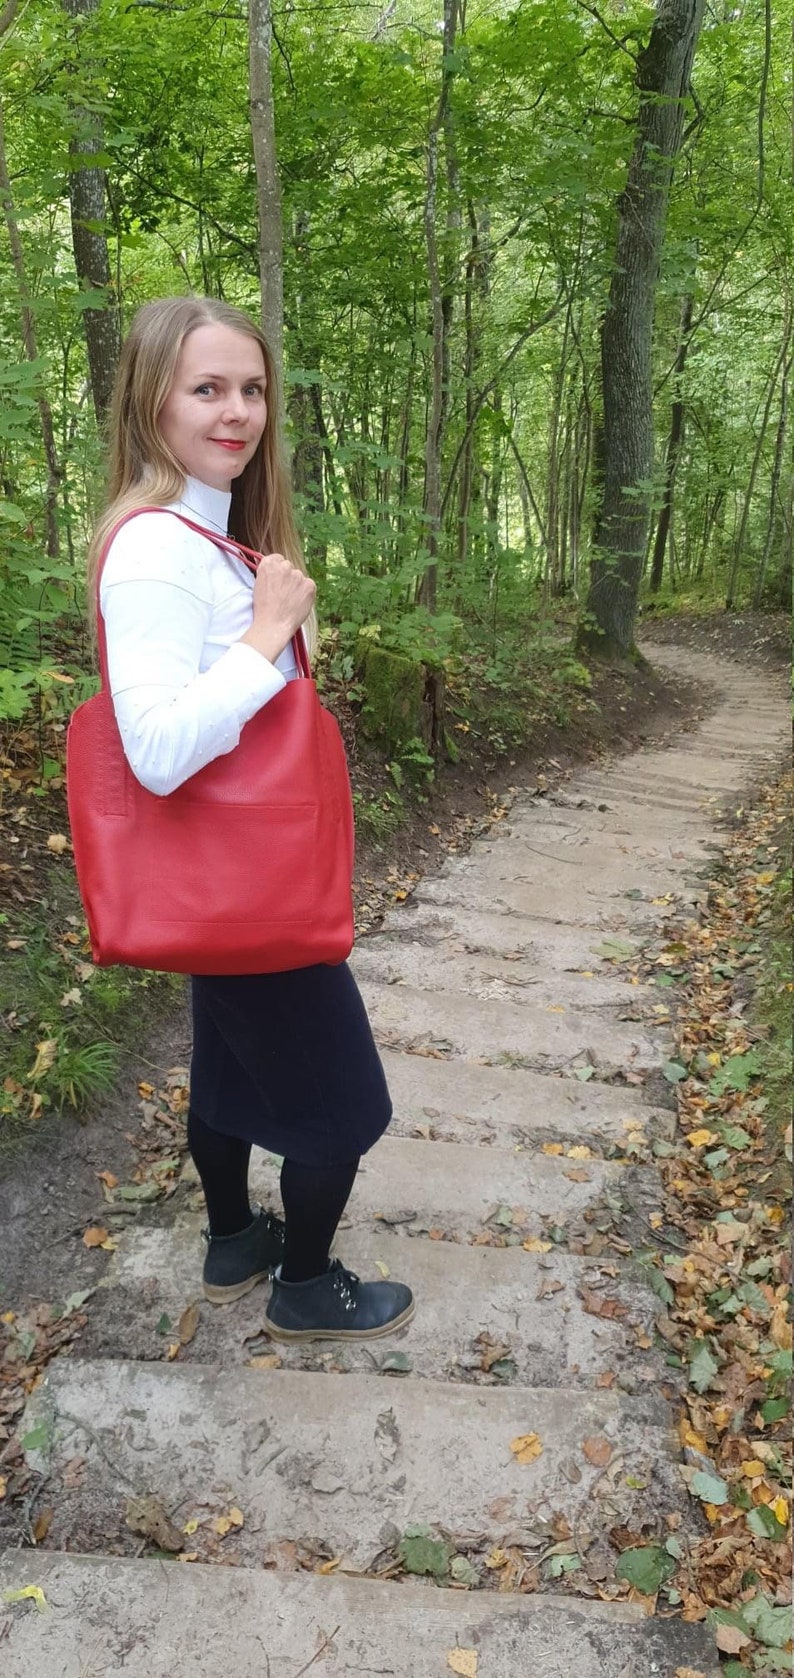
(337, 1306)
(235, 1263)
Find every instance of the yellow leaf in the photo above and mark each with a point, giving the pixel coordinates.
(58, 843)
(580, 1151)
(552, 1148)
(690, 1436)
(109, 1246)
(554, 1009)
(753, 1470)
(383, 1268)
(535, 1245)
(173, 1351)
(699, 1138)
(95, 1237)
(656, 1220)
(33, 1591)
(190, 1527)
(8, 1317)
(781, 1509)
(714, 1058)
(188, 1555)
(497, 1558)
(45, 1057)
(463, 1661)
(586, 974)
(224, 1523)
(526, 1449)
(3, 1484)
(712, 1512)
(270, 1360)
(330, 1566)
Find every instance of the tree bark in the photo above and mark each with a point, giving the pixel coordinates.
(88, 202)
(268, 184)
(621, 531)
(440, 316)
(674, 442)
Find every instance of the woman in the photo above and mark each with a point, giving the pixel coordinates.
(196, 647)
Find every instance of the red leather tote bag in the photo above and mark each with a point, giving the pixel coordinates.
(247, 867)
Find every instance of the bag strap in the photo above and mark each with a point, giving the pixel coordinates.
(250, 558)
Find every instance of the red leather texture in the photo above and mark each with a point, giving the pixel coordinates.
(246, 868)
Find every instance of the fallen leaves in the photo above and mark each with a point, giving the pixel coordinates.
(147, 1517)
(727, 1290)
(463, 1661)
(527, 1448)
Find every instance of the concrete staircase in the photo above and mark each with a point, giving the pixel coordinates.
(502, 1022)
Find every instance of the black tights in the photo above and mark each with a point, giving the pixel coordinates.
(314, 1197)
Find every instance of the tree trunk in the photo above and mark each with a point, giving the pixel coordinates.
(440, 317)
(620, 536)
(674, 442)
(263, 131)
(87, 198)
(30, 344)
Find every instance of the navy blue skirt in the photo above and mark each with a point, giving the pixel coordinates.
(288, 1061)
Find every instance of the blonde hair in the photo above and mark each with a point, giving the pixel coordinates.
(144, 472)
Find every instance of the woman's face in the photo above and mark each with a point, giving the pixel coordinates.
(214, 414)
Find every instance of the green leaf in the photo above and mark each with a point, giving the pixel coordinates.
(710, 1488)
(775, 1409)
(646, 1568)
(584, 1073)
(737, 1073)
(164, 1324)
(702, 1368)
(462, 1571)
(735, 1135)
(771, 1625)
(397, 1363)
(421, 1554)
(39, 1438)
(138, 1191)
(614, 949)
(765, 1524)
(673, 1071)
(558, 1565)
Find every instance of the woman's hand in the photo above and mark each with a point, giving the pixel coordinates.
(283, 599)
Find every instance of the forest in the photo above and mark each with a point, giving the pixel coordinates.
(526, 268)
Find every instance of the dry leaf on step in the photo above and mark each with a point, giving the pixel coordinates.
(731, 1639)
(597, 1450)
(224, 1523)
(146, 1515)
(95, 1236)
(463, 1661)
(188, 1323)
(526, 1449)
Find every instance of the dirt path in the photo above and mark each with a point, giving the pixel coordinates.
(512, 1436)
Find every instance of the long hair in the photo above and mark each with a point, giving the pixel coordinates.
(143, 469)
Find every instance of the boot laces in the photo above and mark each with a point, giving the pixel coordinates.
(345, 1283)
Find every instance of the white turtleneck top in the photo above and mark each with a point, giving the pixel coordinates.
(174, 608)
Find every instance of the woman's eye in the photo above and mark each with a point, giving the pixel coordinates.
(255, 390)
(204, 390)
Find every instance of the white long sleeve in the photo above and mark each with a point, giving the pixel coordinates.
(174, 608)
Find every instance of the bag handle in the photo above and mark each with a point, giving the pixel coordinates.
(249, 556)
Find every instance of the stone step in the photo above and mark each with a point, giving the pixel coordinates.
(449, 966)
(571, 845)
(567, 902)
(341, 1466)
(417, 1186)
(144, 1619)
(455, 1100)
(526, 1303)
(547, 1036)
(559, 947)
